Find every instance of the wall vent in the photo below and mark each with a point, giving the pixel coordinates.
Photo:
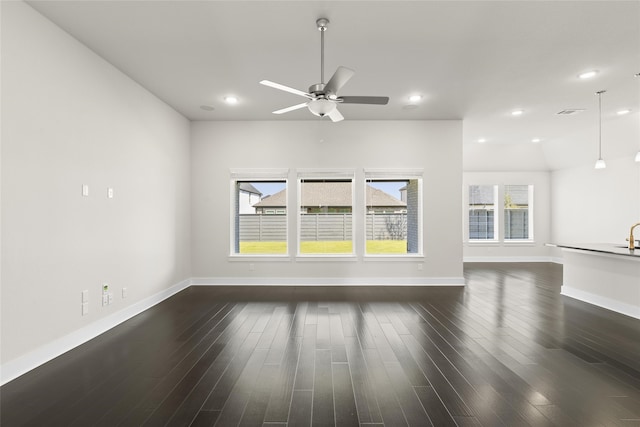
(570, 111)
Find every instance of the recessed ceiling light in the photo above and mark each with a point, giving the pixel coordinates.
(536, 140)
(415, 98)
(623, 112)
(231, 99)
(588, 74)
(482, 140)
(207, 108)
(517, 112)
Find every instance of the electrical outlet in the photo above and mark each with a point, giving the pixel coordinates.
(85, 190)
(85, 308)
(105, 294)
(124, 293)
(85, 296)
(110, 298)
(110, 193)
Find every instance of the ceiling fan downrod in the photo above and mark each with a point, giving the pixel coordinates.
(322, 24)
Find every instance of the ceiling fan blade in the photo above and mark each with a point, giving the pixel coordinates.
(286, 110)
(339, 78)
(335, 115)
(285, 88)
(374, 100)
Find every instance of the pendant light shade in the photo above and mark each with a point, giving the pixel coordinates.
(600, 164)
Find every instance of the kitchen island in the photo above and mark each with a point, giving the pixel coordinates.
(606, 275)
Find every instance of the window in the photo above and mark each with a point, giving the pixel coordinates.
(393, 214)
(259, 213)
(515, 211)
(517, 214)
(483, 219)
(326, 214)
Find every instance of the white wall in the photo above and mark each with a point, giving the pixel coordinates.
(434, 146)
(595, 206)
(69, 118)
(490, 157)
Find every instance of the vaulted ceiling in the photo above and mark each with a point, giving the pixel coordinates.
(471, 60)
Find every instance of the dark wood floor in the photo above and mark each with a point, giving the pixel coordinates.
(507, 350)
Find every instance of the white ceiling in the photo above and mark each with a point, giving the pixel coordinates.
(471, 60)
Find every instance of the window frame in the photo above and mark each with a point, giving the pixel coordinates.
(396, 175)
(256, 175)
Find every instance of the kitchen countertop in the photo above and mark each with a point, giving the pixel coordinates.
(605, 248)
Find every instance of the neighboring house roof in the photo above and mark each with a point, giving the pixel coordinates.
(246, 186)
(334, 194)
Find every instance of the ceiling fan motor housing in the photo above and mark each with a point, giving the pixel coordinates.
(317, 89)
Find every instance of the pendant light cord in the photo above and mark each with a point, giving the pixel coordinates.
(599, 93)
(600, 125)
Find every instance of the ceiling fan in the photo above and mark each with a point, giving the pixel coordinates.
(323, 97)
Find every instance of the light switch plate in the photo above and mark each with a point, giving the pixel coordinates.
(85, 308)
(85, 190)
(85, 296)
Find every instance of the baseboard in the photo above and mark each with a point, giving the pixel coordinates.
(508, 259)
(600, 301)
(23, 364)
(328, 281)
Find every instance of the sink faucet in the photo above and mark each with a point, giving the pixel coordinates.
(631, 238)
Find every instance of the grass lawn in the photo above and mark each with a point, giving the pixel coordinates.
(376, 247)
(382, 247)
(263, 248)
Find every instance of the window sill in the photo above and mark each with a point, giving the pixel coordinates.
(394, 258)
(502, 243)
(519, 243)
(259, 258)
(483, 242)
(328, 257)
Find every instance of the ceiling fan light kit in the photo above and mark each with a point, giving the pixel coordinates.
(323, 99)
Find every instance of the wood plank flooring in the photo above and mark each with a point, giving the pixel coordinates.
(506, 350)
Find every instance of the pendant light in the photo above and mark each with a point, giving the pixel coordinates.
(600, 164)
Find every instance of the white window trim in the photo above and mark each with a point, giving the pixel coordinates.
(328, 174)
(254, 175)
(395, 174)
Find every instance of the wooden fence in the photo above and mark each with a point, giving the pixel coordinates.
(322, 227)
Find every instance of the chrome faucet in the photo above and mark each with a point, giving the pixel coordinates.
(632, 245)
